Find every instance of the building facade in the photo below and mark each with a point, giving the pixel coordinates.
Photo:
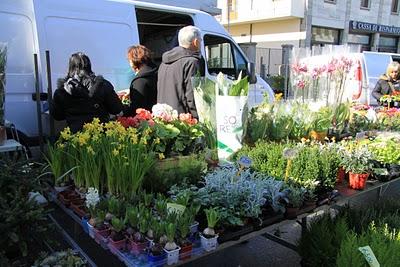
(372, 24)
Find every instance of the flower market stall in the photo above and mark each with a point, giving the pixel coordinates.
(149, 190)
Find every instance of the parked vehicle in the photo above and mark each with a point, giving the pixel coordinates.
(103, 29)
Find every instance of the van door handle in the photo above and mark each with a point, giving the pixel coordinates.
(43, 96)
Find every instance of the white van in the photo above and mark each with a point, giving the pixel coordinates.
(103, 29)
(364, 73)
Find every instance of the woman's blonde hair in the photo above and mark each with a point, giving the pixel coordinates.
(392, 66)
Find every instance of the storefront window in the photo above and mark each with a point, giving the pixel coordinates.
(324, 36)
(360, 39)
(388, 44)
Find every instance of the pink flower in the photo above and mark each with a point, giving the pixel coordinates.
(299, 67)
(301, 84)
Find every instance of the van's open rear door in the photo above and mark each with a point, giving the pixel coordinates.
(101, 29)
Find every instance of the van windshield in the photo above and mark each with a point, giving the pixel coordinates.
(376, 64)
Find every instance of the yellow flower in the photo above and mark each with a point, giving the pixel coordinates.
(115, 152)
(161, 156)
(60, 145)
(143, 140)
(66, 133)
(303, 140)
(83, 138)
(90, 150)
(278, 97)
(156, 141)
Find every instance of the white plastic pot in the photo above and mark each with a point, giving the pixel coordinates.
(172, 256)
(90, 230)
(209, 244)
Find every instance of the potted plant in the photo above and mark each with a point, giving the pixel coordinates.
(321, 124)
(117, 239)
(358, 163)
(171, 248)
(183, 230)
(295, 197)
(101, 229)
(92, 199)
(209, 237)
(139, 243)
(156, 254)
(3, 60)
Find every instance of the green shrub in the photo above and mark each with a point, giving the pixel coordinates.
(319, 244)
(170, 171)
(384, 243)
(21, 218)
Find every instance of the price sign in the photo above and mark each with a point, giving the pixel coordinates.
(369, 256)
(244, 162)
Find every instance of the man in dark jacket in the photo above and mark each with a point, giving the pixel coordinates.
(177, 68)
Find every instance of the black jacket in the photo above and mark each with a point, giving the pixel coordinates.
(84, 102)
(174, 79)
(385, 86)
(143, 90)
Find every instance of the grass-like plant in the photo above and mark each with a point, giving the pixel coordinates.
(213, 217)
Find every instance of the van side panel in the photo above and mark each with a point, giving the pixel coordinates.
(17, 30)
(101, 29)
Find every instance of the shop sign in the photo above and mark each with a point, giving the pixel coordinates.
(372, 27)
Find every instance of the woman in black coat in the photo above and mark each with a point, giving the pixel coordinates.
(143, 88)
(388, 83)
(82, 96)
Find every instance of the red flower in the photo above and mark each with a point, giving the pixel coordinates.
(127, 121)
(187, 118)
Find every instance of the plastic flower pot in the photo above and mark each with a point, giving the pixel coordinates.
(209, 244)
(138, 248)
(84, 223)
(115, 246)
(101, 236)
(90, 230)
(186, 251)
(194, 227)
(341, 173)
(358, 180)
(172, 255)
(156, 260)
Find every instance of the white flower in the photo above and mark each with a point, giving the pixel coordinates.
(92, 197)
(164, 112)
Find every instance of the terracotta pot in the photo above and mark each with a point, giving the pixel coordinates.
(341, 173)
(291, 213)
(186, 251)
(116, 245)
(358, 180)
(138, 248)
(3, 135)
(320, 136)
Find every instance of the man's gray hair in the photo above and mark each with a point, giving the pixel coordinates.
(187, 34)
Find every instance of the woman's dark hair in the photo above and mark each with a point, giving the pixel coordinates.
(79, 64)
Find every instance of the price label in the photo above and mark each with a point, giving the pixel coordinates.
(244, 162)
(369, 256)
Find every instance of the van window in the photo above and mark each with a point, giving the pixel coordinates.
(223, 56)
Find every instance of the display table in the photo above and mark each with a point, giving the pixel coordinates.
(11, 145)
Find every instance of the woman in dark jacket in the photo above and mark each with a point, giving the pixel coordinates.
(389, 83)
(143, 89)
(82, 96)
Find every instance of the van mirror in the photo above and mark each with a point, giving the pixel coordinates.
(252, 72)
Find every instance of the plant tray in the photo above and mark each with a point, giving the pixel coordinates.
(269, 220)
(228, 235)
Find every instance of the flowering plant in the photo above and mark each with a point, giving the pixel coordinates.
(356, 159)
(124, 97)
(92, 199)
(164, 112)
